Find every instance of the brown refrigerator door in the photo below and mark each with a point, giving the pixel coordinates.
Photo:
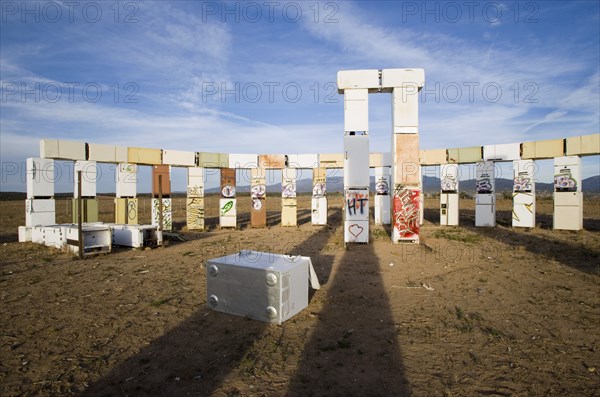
(227, 183)
(407, 159)
(164, 171)
(258, 213)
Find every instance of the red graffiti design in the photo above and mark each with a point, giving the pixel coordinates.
(406, 213)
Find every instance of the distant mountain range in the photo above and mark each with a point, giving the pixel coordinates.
(430, 185)
(336, 184)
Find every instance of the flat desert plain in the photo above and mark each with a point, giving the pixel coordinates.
(469, 311)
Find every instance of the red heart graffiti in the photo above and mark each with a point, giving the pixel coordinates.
(355, 227)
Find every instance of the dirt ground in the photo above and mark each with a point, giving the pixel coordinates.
(470, 311)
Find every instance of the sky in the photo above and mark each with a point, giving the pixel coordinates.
(260, 77)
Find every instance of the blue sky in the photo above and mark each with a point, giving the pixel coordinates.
(259, 77)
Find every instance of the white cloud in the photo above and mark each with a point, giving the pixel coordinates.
(554, 115)
(216, 131)
(171, 53)
(523, 72)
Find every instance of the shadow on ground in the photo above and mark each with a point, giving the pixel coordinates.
(196, 356)
(354, 349)
(567, 252)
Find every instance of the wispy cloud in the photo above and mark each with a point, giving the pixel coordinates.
(530, 76)
(554, 115)
(547, 72)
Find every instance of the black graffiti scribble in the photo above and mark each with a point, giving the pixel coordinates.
(483, 186)
(356, 203)
(132, 210)
(449, 184)
(382, 187)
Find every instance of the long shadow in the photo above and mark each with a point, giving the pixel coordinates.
(304, 216)
(211, 223)
(354, 349)
(243, 220)
(196, 356)
(273, 218)
(571, 254)
(432, 215)
(334, 217)
(545, 221)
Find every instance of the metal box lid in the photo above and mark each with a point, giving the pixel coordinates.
(261, 260)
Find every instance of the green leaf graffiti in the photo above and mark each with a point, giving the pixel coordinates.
(228, 205)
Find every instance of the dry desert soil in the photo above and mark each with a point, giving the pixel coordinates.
(468, 312)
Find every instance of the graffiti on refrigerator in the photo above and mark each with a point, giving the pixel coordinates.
(226, 207)
(483, 185)
(522, 210)
(319, 190)
(127, 167)
(449, 184)
(406, 212)
(195, 214)
(355, 230)
(564, 182)
(357, 203)
(256, 204)
(166, 213)
(258, 192)
(382, 187)
(228, 191)
(132, 209)
(516, 216)
(522, 184)
(195, 191)
(289, 189)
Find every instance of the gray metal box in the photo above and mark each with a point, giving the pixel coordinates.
(260, 285)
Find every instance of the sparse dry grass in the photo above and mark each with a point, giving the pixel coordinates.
(470, 311)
